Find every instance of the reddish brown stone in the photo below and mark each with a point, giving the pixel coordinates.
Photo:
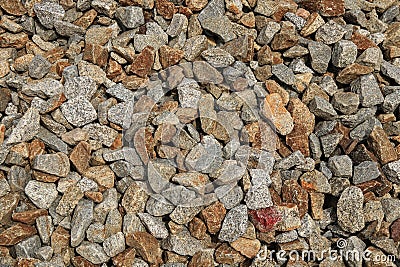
(362, 42)
(317, 202)
(304, 122)
(196, 5)
(80, 156)
(87, 19)
(213, 216)
(143, 63)
(314, 22)
(225, 254)
(8, 203)
(18, 40)
(146, 246)
(16, 234)
(80, 261)
(327, 8)
(45, 177)
(170, 56)
(97, 197)
(384, 187)
(185, 11)
(284, 6)
(292, 192)
(264, 56)
(60, 239)
(352, 72)
(368, 186)
(5, 98)
(113, 69)
(202, 258)
(60, 66)
(29, 216)
(197, 228)
(380, 145)
(96, 54)
(265, 219)
(395, 230)
(30, 262)
(54, 54)
(125, 258)
(283, 41)
(247, 247)
(13, 7)
(165, 8)
(102, 175)
(242, 48)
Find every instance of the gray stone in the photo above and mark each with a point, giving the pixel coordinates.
(117, 113)
(367, 88)
(65, 28)
(234, 224)
(182, 243)
(320, 56)
(44, 253)
(286, 237)
(109, 203)
(101, 133)
(159, 206)
(82, 86)
(45, 88)
(390, 14)
(350, 210)
(346, 102)
(328, 84)
(258, 196)
(56, 164)
(139, 263)
(92, 252)
(392, 171)
(206, 73)
(391, 71)
(391, 102)
(229, 196)
(308, 226)
(218, 57)
(330, 33)
(294, 159)
(78, 111)
(81, 219)
(130, 16)
(39, 67)
(284, 74)
(96, 233)
(106, 7)
(189, 93)
(26, 128)
(329, 143)
(391, 209)
(341, 166)
(48, 12)
(51, 140)
(212, 18)
(154, 225)
(295, 51)
(364, 129)
(183, 215)
(114, 245)
(371, 57)
(268, 32)
(28, 247)
(365, 171)
(299, 22)
(344, 53)
(45, 227)
(298, 66)
(194, 46)
(132, 223)
(120, 92)
(322, 108)
(41, 194)
(178, 25)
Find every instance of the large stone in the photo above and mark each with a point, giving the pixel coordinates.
(92, 252)
(344, 53)
(146, 246)
(48, 12)
(131, 16)
(350, 210)
(78, 111)
(41, 194)
(55, 164)
(16, 234)
(275, 110)
(26, 128)
(235, 224)
(81, 219)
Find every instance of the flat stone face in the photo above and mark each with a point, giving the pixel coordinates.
(48, 13)
(27, 127)
(41, 194)
(93, 252)
(78, 111)
(349, 210)
(56, 164)
(81, 219)
(234, 224)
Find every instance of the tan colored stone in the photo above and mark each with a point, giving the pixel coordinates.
(213, 216)
(274, 87)
(18, 40)
(317, 203)
(143, 63)
(102, 175)
(8, 203)
(170, 56)
(60, 239)
(304, 122)
(292, 192)
(196, 5)
(22, 63)
(225, 254)
(146, 246)
(98, 35)
(314, 22)
(45, 177)
(80, 156)
(290, 218)
(16, 234)
(4, 68)
(392, 35)
(134, 199)
(248, 20)
(29, 216)
(275, 110)
(80, 261)
(13, 7)
(247, 247)
(97, 197)
(96, 54)
(165, 8)
(87, 19)
(312, 91)
(380, 145)
(202, 258)
(197, 228)
(125, 258)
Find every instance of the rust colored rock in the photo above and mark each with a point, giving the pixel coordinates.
(380, 145)
(36, 147)
(146, 246)
(241, 48)
(213, 216)
(165, 8)
(13, 7)
(197, 228)
(29, 216)
(125, 258)
(304, 122)
(114, 70)
(395, 230)
(97, 197)
(80, 261)
(60, 239)
(264, 56)
(352, 72)
(18, 40)
(45, 177)
(283, 41)
(96, 54)
(274, 87)
(102, 175)
(80, 156)
(327, 8)
(5, 97)
(317, 202)
(143, 63)
(275, 110)
(225, 254)
(8, 203)
(170, 56)
(314, 22)
(202, 258)
(196, 5)
(87, 19)
(292, 192)
(362, 42)
(16, 234)
(266, 219)
(247, 247)
(54, 54)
